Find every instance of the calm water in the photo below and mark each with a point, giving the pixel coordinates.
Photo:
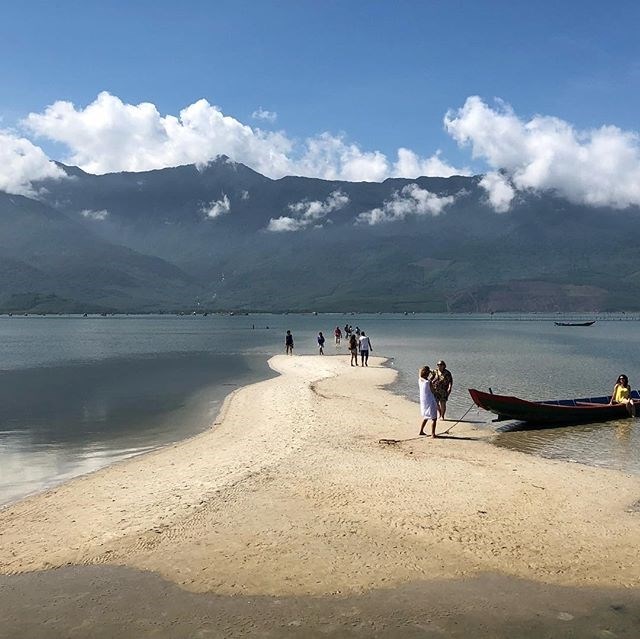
(79, 393)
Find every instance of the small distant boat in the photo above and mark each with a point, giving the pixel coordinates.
(591, 323)
(585, 410)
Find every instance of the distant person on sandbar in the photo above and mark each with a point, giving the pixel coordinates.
(622, 395)
(353, 349)
(442, 387)
(320, 343)
(338, 335)
(428, 405)
(347, 332)
(364, 344)
(288, 343)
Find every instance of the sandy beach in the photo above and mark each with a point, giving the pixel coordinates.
(291, 494)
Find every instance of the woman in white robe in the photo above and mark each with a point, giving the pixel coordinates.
(428, 404)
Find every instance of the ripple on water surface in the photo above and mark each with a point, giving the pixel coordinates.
(612, 444)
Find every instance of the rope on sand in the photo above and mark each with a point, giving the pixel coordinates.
(466, 412)
(399, 441)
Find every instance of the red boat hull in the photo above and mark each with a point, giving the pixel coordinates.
(569, 411)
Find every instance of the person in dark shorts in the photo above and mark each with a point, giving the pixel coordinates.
(442, 386)
(320, 343)
(288, 343)
(353, 349)
(338, 335)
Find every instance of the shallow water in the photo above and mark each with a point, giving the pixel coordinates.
(534, 360)
(79, 393)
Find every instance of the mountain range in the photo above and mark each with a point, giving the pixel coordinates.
(223, 237)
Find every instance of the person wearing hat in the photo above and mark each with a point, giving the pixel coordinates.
(442, 386)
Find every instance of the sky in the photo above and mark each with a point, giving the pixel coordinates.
(533, 96)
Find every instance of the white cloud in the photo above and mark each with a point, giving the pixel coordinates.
(283, 224)
(21, 163)
(329, 157)
(110, 135)
(499, 191)
(99, 216)
(308, 213)
(263, 114)
(594, 167)
(244, 195)
(410, 165)
(411, 200)
(598, 167)
(217, 207)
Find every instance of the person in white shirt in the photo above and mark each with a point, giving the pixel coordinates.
(364, 344)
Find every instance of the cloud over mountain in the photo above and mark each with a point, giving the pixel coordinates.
(98, 216)
(308, 213)
(598, 167)
(217, 208)
(411, 200)
(110, 135)
(21, 162)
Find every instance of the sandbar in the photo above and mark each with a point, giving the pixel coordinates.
(291, 494)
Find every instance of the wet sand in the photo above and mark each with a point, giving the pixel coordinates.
(106, 602)
(291, 507)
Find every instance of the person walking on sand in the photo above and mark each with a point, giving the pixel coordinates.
(442, 387)
(428, 406)
(288, 343)
(353, 349)
(320, 343)
(364, 343)
(338, 335)
(622, 395)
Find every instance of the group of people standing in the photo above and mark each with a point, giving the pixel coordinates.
(358, 341)
(435, 386)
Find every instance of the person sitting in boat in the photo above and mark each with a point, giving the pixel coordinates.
(622, 394)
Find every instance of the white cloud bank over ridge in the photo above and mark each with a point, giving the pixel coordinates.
(109, 136)
(599, 167)
(410, 201)
(500, 193)
(308, 213)
(21, 162)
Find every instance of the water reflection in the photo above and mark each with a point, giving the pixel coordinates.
(611, 444)
(60, 421)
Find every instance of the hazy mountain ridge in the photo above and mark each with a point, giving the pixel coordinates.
(188, 238)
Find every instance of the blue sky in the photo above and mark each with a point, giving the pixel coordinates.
(382, 75)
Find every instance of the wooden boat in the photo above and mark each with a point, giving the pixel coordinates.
(560, 411)
(591, 323)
